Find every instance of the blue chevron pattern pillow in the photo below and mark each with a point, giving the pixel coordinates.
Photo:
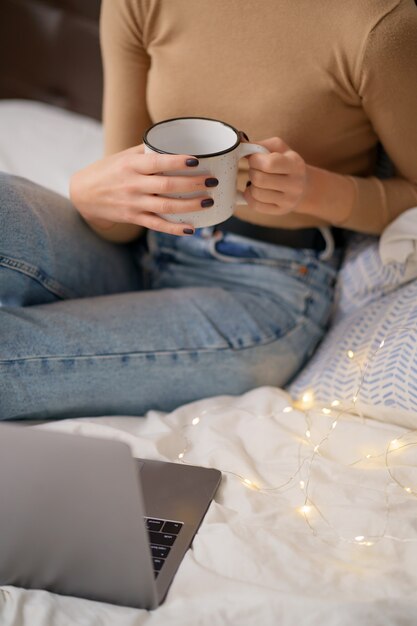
(363, 278)
(370, 350)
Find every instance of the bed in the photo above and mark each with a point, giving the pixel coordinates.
(315, 520)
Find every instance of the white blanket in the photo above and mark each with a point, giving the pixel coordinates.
(255, 559)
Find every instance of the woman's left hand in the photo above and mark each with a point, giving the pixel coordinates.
(279, 179)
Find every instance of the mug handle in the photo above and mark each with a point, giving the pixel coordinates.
(244, 149)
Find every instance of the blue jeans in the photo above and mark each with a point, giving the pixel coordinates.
(89, 327)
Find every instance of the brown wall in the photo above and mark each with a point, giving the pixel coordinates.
(49, 51)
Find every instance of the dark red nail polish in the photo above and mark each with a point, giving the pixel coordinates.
(211, 182)
(192, 162)
(207, 202)
(245, 135)
(248, 184)
(188, 231)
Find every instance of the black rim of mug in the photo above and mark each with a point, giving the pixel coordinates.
(188, 117)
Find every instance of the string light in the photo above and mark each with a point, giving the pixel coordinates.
(304, 404)
(248, 483)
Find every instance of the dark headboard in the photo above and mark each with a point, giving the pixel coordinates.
(49, 51)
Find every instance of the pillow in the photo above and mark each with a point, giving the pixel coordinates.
(370, 350)
(46, 144)
(363, 278)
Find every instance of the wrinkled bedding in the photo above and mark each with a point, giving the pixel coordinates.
(255, 559)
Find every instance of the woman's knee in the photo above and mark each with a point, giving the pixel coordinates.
(29, 216)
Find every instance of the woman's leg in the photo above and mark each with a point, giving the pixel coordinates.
(48, 253)
(216, 320)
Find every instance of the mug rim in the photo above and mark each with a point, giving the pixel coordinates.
(192, 117)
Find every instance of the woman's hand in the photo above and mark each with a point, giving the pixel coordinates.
(279, 180)
(124, 188)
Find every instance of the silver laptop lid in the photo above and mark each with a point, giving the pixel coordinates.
(71, 521)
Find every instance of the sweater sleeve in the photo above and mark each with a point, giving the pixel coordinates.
(126, 64)
(388, 90)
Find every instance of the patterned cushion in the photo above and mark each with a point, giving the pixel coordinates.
(372, 308)
(363, 278)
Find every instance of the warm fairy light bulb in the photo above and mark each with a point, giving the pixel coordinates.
(305, 509)
(316, 448)
(350, 354)
(407, 489)
(195, 421)
(307, 397)
(335, 403)
(287, 409)
(308, 434)
(326, 411)
(248, 483)
(381, 345)
(360, 539)
(181, 455)
(334, 424)
(368, 456)
(302, 484)
(394, 444)
(305, 401)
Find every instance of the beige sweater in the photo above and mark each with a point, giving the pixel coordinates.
(331, 78)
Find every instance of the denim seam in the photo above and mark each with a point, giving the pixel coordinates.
(266, 341)
(38, 275)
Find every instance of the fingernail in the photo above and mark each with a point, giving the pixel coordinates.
(188, 231)
(248, 184)
(207, 202)
(211, 182)
(245, 136)
(192, 162)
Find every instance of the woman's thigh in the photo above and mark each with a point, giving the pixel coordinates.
(48, 253)
(200, 330)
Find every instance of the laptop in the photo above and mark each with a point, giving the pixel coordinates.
(80, 516)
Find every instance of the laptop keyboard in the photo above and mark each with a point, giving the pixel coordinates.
(162, 535)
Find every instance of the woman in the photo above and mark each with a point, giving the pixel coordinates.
(131, 312)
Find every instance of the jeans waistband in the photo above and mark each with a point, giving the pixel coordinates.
(308, 238)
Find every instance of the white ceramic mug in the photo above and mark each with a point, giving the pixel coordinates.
(218, 147)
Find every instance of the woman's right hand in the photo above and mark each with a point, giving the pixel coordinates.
(124, 188)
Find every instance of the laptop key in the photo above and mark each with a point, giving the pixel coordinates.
(154, 524)
(160, 552)
(161, 539)
(172, 527)
(157, 564)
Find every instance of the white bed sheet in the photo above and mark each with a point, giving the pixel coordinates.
(254, 560)
(46, 144)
